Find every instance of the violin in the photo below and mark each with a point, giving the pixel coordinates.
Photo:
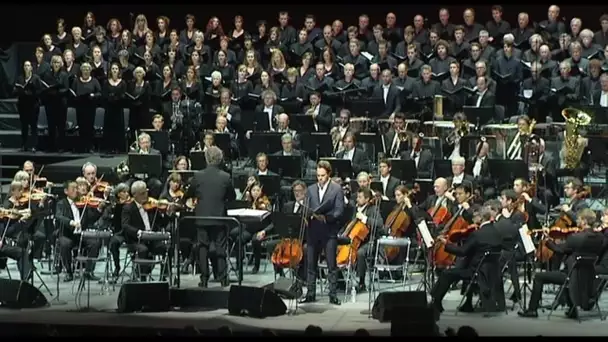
(14, 214)
(261, 203)
(163, 204)
(101, 186)
(90, 201)
(43, 180)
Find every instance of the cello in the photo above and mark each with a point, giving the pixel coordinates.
(397, 223)
(357, 232)
(456, 228)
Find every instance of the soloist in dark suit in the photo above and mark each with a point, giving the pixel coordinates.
(585, 243)
(323, 235)
(486, 239)
(132, 222)
(425, 162)
(359, 160)
(69, 240)
(213, 188)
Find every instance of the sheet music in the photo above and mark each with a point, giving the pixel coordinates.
(244, 212)
(425, 234)
(524, 233)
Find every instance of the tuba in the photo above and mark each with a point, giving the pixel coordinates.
(574, 144)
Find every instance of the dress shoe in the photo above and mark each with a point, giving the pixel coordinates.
(203, 284)
(33, 149)
(69, 277)
(572, 313)
(308, 299)
(255, 270)
(466, 307)
(361, 288)
(514, 298)
(528, 313)
(334, 300)
(225, 283)
(116, 272)
(91, 277)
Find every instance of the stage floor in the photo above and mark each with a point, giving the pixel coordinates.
(344, 319)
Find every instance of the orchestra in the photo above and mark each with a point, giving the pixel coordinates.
(470, 129)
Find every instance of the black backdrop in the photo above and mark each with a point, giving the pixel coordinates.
(15, 26)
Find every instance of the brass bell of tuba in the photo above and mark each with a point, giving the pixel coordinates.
(574, 144)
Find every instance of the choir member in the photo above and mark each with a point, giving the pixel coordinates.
(40, 65)
(102, 42)
(86, 90)
(79, 48)
(55, 86)
(138, 92)
(50, 49)
(114, 89)
(114, 31)
(161, 37)
(27, 89)
(186, 35)
(62, 39)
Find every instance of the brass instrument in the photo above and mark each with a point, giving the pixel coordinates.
(134, 147)
(197, 147)
(461, 129)
(574, 143)
(438, 106)
(402, 135)
(336, 139)
(222, 110)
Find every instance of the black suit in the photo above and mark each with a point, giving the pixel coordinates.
(132, 222)
(67, 239)
(359, 161)
(484, 179)
(325, 118)
(391, 146)
(467, 180)
(513, 250)
(391, 184)
(547, 191)
(235, 115)
(486, 239)
(488, 100)
(213, 188)
(585, 243)
(392, 103)
(425, 162)
(17, 231)
(276, 110)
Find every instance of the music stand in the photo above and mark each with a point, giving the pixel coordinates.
(368, 107)
(150, 164)
(261, 122)
(197, 160)
(504, 172)
(160, 140)
(376, 186)
(442, 168)
(186, 175)
(302, 123)
(271, 184)
(267, 142)
(222, 141)
(404, 169)
(237, 204)
(317, 144)
(286, 166)
(370, 139)
(479, 115)
(342, 168)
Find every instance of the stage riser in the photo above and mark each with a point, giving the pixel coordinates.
(10, 138)
(10, 121)
(70, 169)
(8, 106)
(39, 158)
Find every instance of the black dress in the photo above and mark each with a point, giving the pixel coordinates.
(28, 106)
(114, 126)
(86, 94)
(139, 104)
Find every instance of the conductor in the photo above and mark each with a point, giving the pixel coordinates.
(212, 187)
(326, 203)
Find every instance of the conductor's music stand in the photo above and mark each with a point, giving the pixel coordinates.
(404, 169)
(222, 141)
(286, 166)
(267, 142)
(342, 168)
(504, 172)
(197, 160)
(150, 164)
(317, 145)
(302, 123)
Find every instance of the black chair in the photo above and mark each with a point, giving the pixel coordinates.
(491, 261)
(602, 281)
(581, 263)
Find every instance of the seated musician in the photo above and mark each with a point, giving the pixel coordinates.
(389, 183)
(227, 109)
(258, 201)
(458, 175)
(181, 163)
(73, 216)
(451, 140)
(291, 207)
(432, 203)
(41, 221)
(221, 127)
(367, 213)
(358, 158)
(283, 127)
(423, 158)
(394, 141)
(144, 143)
(121, 196)
(485, 239)
(586, 242)
(269, 107)
(531, 206)
(13, 230)
(575, 193)
(288, 149)
(321, 113)
(262, 165)
(158, 122)
(547, 174)
(343, 126)
(135, 220)
(483, 97)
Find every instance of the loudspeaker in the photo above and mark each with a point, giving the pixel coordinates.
(256, 302)
(389, 304)
(286, 288)
(148, 297)
(20, 295)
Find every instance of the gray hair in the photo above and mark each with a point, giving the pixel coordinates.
(121, 187)
(458, 161)
(87, 165)
(486, 213)
(493, 204)
(286, 137)
(508, 38)
(123, 53)
(21, 176)
(138, 187)
(214, 156)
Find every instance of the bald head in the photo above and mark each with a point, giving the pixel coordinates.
(440, 186)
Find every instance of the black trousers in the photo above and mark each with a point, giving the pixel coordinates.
(248, 234)
(114, 129)
(85, 114)
(28, 116)
(21, 255)
(114, 246)
(446, 279)
(510, 259)
(148, 250)
(313, 251)
(139, 118)
(540, 279)
(212, 239)
(56, 116)
(39, 240)
(90, 248)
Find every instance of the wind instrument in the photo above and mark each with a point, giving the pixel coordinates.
(574, 144)
(438, 106)
(461, 128)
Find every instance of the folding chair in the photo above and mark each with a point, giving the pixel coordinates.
(82, 260)
(603, 284)
(580, 262)
(138, 262)
(381, 263)
(488, 256)
(348, 267)
(8, 270)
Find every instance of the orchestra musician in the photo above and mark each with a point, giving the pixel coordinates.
(359, 160)
(121, 195)
(135, 220)
(288, 149)
(531, 205)
(326, 205)
(262, 165)
(144, 146)
(432, 203)
(586, 242)
(481, 169)
(395, 140)
(458, 175)
(73, 217)
(451, 147)
(339, 131)
(212, 187)
(15, 217)
(369, 214)
(573, 191)
(227, 109)
(423, 158)
(42, 226)
(485, 239)
(389, 183)
(321, 113)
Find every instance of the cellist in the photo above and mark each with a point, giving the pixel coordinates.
(531, 205)
(433, 203)
(369, 215)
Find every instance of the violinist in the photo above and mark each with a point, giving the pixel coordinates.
(602, 267)
(121, 196)
(175, 194)
(100, 188)
(531, 206)
(486, 238)
(73, 216)
(509, 208)
(433, 203)
(369, 215)
(42, 210)
(389, 183)
(586, 242)
(423, 158)
(14, 227)
(135, 220)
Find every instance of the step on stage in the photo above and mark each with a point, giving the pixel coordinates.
(335, 320)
